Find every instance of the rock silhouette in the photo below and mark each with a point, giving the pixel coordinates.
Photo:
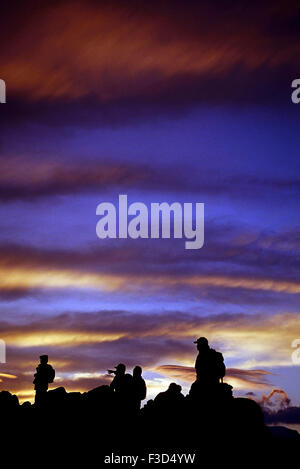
(83, 428)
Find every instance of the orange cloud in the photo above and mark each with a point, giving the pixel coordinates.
(8, 376)
(239, 379)
(75, 49)
(276, 399)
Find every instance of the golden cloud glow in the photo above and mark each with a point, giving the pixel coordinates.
(44, 338)
(254, 341)
(242, 282)
(35, 277)
(25, 395)
(25, 278)
(8, 376)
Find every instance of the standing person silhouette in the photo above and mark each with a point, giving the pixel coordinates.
(139, 387)
(122, 382)
(121, 385)
(210, 367)
(44, 375)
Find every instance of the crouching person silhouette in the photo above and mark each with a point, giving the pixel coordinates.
(44, 375)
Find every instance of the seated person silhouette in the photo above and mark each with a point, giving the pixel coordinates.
(139, 387)
(44, 375)
(210, 367)
(170, 399)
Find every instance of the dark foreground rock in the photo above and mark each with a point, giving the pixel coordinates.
(83, 429)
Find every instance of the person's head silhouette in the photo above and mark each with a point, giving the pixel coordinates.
(202, 344)
(174, 388)
(137, 372)
(44, 359)
(120, 369)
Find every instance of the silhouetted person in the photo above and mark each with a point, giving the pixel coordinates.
(122, 382)
(170, 399)
(139, 388)
(121, 385)
(44, 375)
(210, 368)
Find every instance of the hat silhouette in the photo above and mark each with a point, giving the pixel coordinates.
(201, 340)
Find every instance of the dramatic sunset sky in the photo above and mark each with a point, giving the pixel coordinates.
(163, 101)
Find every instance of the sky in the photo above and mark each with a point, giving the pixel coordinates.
(163, 101)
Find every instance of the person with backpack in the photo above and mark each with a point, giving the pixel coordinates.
(210, 367)
(44, 375)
